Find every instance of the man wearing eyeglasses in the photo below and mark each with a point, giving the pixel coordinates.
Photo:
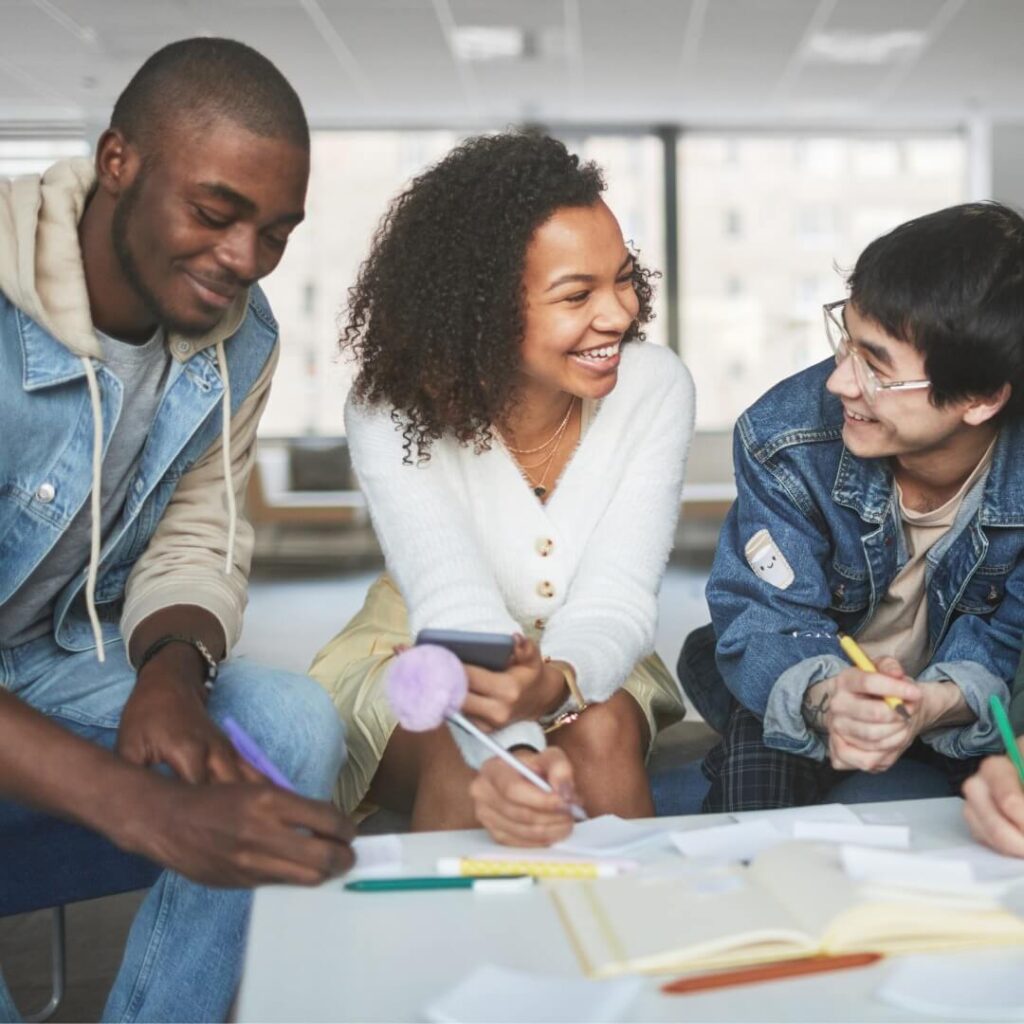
(881, 495)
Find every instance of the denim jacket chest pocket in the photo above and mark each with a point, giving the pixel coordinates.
(984, 592)
(849, 588)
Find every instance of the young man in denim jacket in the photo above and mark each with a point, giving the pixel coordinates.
(880, 494)
(135, 361)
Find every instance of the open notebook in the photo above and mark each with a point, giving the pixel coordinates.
(794, 900)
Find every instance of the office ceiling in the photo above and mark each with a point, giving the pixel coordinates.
(695, 62)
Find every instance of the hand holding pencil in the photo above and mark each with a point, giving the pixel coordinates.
(863, 662)
(869, 713)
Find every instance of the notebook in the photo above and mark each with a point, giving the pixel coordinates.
(794, 900)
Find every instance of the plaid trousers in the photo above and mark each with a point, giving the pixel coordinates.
(747, 775)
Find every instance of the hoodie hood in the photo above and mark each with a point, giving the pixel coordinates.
(41, 261)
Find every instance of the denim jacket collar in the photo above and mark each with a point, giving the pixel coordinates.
(45, 360)
(864, 485)
(1003, 501)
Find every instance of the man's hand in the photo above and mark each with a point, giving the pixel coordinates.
(236, 835)
(994, 807)
(526, 690)
(514, 810)
(863, 731)
(165, 721)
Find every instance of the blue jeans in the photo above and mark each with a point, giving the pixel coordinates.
(184, 952)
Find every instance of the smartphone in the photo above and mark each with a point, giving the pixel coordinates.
(486, 650)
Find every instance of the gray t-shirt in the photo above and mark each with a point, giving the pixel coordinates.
(142, 369)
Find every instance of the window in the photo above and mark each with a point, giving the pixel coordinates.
(33, 156)
(811, 205)
(354, 176)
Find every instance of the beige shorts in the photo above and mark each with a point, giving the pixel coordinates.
(353, 666)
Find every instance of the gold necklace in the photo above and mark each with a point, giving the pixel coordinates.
(538, 487)
(558, 433)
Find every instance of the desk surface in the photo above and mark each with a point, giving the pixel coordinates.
(330, 955)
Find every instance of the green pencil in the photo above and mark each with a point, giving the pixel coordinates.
(433, 882)
(1009, 740)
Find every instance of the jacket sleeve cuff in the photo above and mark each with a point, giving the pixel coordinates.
(784, 725)
(977, 684)
(519, 734)
(226, 606)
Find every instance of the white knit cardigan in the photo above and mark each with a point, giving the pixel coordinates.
(471, 547)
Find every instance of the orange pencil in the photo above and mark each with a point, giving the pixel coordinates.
(769, 972)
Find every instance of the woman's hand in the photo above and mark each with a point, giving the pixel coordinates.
(995, 805)
(528, 689)
(514, 811)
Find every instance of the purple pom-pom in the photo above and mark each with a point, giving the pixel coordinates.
(425, 684)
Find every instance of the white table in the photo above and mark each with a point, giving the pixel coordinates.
(330, 955)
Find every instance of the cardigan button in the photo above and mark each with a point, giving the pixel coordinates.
(45, 493)
(545, 545)
(539, 623)
(546, 588)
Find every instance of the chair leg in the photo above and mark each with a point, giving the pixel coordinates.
(57, 970)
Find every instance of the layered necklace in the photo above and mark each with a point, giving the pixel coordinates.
(546, 451)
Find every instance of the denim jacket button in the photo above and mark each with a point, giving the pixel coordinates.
(46, 493)
(993, 593)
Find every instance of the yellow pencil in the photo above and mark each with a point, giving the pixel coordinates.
(863, 662)
(484, 867)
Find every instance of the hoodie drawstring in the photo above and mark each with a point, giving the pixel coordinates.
(229, 489)
(94, 506)
(97, 478)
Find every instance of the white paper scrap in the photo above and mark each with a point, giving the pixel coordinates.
(891, 837)
(495, 995)
(611, 836)
(987, 865)
(786, 818)
(905, 870)
(973, 985)
(376, 855)
(742, 841)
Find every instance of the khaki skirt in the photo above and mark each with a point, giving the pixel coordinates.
(352, 668)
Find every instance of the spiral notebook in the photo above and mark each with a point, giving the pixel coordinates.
(794, 900)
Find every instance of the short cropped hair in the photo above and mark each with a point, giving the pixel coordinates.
(436, 318)
(951, 284)
(196, 81)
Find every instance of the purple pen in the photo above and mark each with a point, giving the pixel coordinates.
(250, 752)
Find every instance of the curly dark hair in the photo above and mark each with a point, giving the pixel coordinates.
(436, 316)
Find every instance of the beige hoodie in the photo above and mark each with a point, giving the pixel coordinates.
(201, 551)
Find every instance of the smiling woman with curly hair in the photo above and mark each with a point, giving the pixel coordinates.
(522, 456)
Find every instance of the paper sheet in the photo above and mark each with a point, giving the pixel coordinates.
(976, 985)
(742, 841)
(494, 995)
(787, 817)
(987, 865)
(891, 837)
(891, 868)
(611, 836)
(376, 855)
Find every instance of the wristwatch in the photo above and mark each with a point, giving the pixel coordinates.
(576, 705)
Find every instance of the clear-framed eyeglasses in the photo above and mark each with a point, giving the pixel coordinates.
(843, 346)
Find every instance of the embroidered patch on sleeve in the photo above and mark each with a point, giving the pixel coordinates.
(767, 561)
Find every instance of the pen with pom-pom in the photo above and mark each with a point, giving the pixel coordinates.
(426, 685)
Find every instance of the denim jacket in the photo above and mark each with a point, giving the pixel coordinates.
(835, 519)
(46, 428)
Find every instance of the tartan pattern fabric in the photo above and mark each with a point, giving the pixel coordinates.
(746, 775)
